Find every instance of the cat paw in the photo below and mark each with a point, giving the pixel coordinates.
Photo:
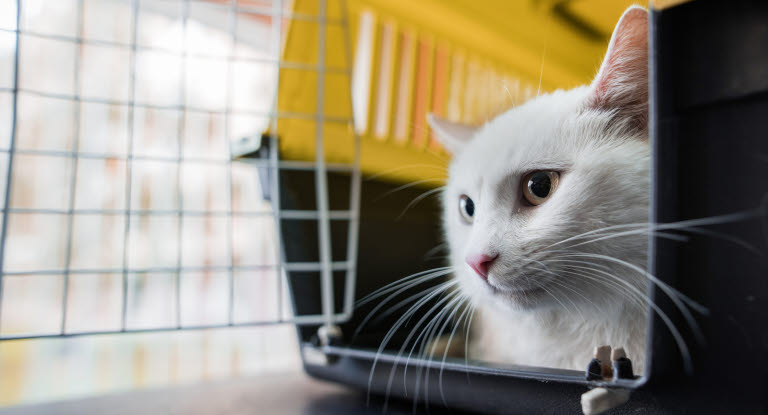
(609, 364)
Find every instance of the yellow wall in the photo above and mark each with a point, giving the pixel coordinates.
(466, 60)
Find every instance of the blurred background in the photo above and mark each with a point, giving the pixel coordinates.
(125, 210)
(192, 214)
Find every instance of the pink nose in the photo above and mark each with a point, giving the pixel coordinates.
(480, 263)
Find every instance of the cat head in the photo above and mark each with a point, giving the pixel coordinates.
(524, 188)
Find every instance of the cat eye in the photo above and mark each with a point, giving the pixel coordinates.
(466, 208)
(538, 186)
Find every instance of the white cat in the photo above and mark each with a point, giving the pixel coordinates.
(525, 191)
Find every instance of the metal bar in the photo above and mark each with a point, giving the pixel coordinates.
(306, 67)
(287, 214)
(310, 165)
(267, 12)
(140, 212)
(354, 191)
(321, 180)
(230, 225)
(132, 103)
(180, 154)
(314, 117)
(316, 214)
(291, 15)
(129, 160)
(172, 52)
(274, 157)
(316, 266)
(284, 164)
(11, 150)
(293, 266)
(310, 319)
(73, 177)
(115, 156)
(207, 268)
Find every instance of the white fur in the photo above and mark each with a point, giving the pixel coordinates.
(603, 156)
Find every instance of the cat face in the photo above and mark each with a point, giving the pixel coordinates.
(525, 188)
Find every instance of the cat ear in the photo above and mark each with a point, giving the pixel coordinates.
(621, 85)
(453, 136)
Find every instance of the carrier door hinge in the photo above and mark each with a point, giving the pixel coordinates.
(314, 352)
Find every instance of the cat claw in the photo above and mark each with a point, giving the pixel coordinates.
(594, 371)
(609, 364)
(622, 366)
(599, 367)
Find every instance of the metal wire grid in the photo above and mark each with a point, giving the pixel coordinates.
(279, 15)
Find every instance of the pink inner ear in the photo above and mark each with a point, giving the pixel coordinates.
(453, 136)
(622, 83)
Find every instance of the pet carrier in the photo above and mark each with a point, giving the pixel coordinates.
(307, 96)
(679, 108)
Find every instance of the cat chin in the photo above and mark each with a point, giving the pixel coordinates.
(531, 302)
(517, 300)
(503, 298)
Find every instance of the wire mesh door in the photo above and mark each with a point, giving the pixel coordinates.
(123, 208)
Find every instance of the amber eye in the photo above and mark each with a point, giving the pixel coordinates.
(466, 208)
(538, 186)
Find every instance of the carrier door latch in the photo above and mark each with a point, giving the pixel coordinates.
(328, 335)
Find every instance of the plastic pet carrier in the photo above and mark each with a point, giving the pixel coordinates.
(707, 94)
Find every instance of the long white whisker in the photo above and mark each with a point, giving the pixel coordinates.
(641, 301)
(667, 321)
(407, 340)
(433, 333)
(666, 235)
(463, 315)
(410, 299)
(419, 198)
(562, 284)
(673, 294)
(676, 237)
(435, 250)
(544, 54)
(428, 333)
(406, 186)
(551, 294)
(428, 329)
(394, 285)
(511, 100)
(711, 220)
(410, 166)
(395, 294)
(392, 332)
(466, 340)
(456, 308)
